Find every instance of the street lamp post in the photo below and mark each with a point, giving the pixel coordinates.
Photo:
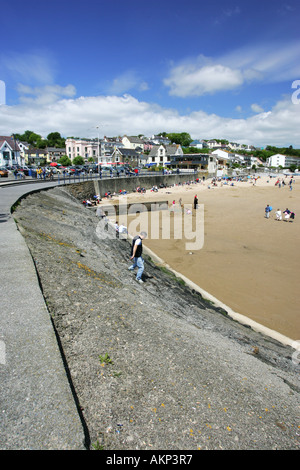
(97, 127)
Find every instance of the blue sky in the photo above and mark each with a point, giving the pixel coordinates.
(218, 69)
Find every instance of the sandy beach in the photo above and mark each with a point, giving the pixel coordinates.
(248, 262)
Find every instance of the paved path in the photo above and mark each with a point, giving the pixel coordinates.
(38, 409)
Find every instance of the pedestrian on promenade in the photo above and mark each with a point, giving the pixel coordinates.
(136, 255)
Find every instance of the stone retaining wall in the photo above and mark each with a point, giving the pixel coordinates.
(88, 189)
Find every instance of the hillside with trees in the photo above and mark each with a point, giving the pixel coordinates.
(54, 139)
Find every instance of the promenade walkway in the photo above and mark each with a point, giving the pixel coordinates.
(38, 409)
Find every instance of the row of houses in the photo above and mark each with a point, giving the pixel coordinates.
(136, 151)
(102, 150)
(131, 150)
(14, 152)
(214, 144)
(157, 151)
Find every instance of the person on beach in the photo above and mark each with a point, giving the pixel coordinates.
(122, 229)
(136, 256)
(287, 213)
(195, 202)
(267, 211)
(278, 214)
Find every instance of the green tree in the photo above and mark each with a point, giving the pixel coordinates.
(64, 160)
(195, 150)
(54, 139)
(184, 139)
(78, 160)
(36, 140)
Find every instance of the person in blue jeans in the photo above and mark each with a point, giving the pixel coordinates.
(136, 255)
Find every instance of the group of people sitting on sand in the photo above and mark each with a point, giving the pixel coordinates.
(89, 203)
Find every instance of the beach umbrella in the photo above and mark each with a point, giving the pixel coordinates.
(53, 164)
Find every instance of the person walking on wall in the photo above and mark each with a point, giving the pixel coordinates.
(136, 255)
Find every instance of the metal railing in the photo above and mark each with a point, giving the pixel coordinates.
(80, 177)
(77, 177)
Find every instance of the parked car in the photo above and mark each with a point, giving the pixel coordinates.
(3, 172)
(56, 170)
(25, 170)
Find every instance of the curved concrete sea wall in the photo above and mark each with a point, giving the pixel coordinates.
(154, 365)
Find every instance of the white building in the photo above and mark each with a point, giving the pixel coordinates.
(107, 147)
(10, 152)
(222, 157)
(86, 148)
(133, 142)
(276, 160)
(285, 161)
(196, 144)
(212, 144)
(161, 155)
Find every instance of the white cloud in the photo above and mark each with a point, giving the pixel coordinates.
(31, 68)
(192, 81)
(44, 95)
(125, 82)
(126, 115)
(268, 63)
(256, 108)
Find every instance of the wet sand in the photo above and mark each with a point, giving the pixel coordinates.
(248, 262)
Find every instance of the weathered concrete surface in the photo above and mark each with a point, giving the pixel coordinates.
(154, 366)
